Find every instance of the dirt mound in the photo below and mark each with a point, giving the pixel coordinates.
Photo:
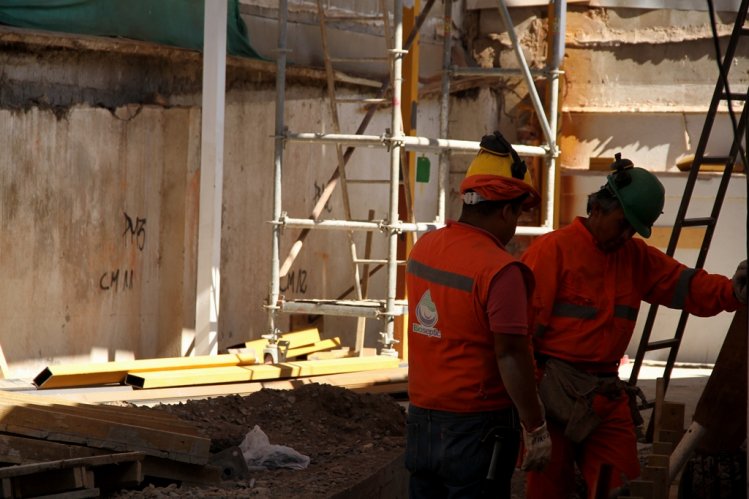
(347, 436)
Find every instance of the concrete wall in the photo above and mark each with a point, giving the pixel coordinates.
(99, 197)
(99, 183)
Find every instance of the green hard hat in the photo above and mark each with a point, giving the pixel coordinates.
(641, 195)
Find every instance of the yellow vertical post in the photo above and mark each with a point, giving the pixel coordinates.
(409, 104)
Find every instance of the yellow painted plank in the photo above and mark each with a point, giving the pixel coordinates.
(362, 381)
(235, 374)
(315, 347)
(296, 339)
(101, 373)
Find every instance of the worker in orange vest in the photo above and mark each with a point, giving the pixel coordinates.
(469, 354)
(590, 279)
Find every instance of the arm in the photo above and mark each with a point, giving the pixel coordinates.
(506, 310)
(517, 370)
(674, 285)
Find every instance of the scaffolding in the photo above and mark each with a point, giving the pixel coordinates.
(397, 144)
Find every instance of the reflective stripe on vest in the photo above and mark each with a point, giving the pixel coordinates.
(443, 277)
(625, 312)
(562, 309)
(682, 288)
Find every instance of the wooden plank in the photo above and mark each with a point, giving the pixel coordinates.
(641, 488)
(189, 473)
(658, 475)
(75, 494)
(296, 339)
(22, 450)
(657, 460)
(118, 476)
(135, 416)
(102, 460)
(338, 353)
(44, 423)
(67, 375)
(664, 448)
(671, 423)
(380, 380)
(319, 346)
(49, 481)
(185, 377)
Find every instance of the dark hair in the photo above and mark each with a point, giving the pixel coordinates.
(489, 208)
(605, 199)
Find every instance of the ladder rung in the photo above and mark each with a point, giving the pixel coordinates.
(716, 160)
(368, 261)
(698, 222)
(352, 17)
(745, 31)
(359, 59)
(646, 405)
(658, 345)
(733, 95)
(363, 101)
(365, 181)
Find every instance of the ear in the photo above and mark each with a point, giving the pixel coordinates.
(510, 212)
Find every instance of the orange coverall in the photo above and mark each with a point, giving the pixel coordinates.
(584, 310)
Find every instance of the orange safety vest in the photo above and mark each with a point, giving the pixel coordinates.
(451, 361)
(586, 302)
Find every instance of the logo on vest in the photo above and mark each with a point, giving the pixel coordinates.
(426, 314)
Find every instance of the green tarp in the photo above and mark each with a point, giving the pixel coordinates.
(171, 22)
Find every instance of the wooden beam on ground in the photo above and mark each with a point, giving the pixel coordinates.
(187, 377)
(136, 416)
(319, 346)
(338, 353)
(186, 473)
(45, 423)
(68, 475)
(381, 380)
(22, 450)
(67, 375)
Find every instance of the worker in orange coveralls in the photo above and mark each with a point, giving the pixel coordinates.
(590, 279)
(469, 354)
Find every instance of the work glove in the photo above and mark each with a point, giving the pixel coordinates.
(537, 448)
(739, 282)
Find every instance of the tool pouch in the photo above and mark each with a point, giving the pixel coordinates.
(567, 395)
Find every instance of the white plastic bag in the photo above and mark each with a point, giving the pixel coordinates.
(260, 454)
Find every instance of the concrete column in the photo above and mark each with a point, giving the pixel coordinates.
(211, 179)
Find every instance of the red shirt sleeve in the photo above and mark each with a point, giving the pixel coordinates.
(507, 303)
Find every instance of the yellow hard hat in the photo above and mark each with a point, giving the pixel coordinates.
(497, 173)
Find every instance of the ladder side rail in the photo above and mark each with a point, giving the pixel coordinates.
(725, 65)
(720, 86)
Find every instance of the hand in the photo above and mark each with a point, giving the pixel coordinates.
(739, 282)
(537, 448)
